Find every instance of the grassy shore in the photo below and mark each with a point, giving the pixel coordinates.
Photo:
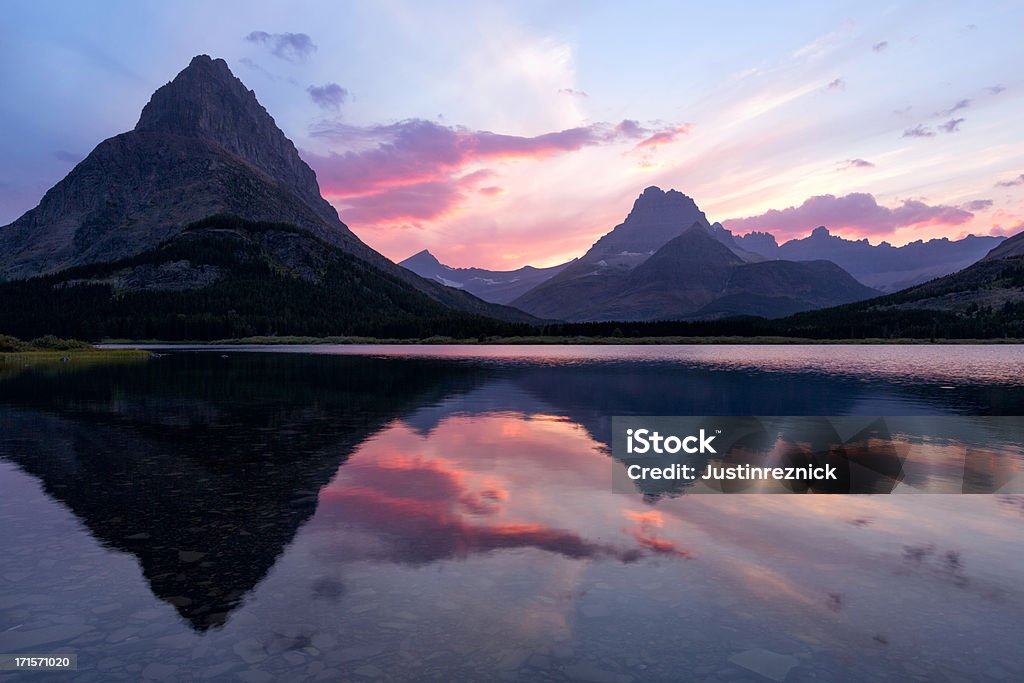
(50, 362)
(15, 353)
(538, 340)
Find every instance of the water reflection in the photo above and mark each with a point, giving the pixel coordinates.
(314, 516)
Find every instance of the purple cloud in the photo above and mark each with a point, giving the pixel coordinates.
(977, 205)
(858, 212)
(574, 93)
(994, 89)
(414, 170)
(951, 126)
(292, 47)
(918, 131)
(878, 47)
(328, 96)
(960, 105)
(836, 84)
(856, 163)
(1013, 182)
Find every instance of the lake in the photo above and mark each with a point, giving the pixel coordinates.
(411, 513)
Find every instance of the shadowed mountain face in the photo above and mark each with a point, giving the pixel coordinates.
(203, 146)
(223, 278)
(206, 474)
(883, 266)
(694, 275)
(996, 281)
(496, 286)
(985, 300)
(1011, 248)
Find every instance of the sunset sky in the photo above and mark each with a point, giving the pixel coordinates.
(498, 135)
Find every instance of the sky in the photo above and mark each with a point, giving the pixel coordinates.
(504, 134)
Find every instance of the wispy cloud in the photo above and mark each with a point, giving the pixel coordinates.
(977, 205)
(328, 96)
(959, 106)
(855, 163)
(994, 89)
(951, 126)
(879, 47)
(417, 170)
(918, 131)
(664, 137)
(836, 84)
(571, 91)
(293, 47)
(1013, 182)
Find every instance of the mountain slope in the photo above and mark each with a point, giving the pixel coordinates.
(203, 146)
(496, 286)
(654, 265)
(656, 218)
(695, 276)
(226, 277)
(984, 300)
(881, 266)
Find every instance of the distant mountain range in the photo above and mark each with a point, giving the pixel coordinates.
(666, 261)
(660, 216)
(496, 286)
(203, 146)
(881, 266)
(984, 300)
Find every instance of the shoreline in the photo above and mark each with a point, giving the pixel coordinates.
(114, 344)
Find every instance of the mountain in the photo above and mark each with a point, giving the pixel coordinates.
(656, 265)
(225, 277)
(983, 301)
(496, 286)
(1010, 249)
(881, 266)
(203, 146)
(656, 218)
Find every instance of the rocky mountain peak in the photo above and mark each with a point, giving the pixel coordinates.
(420, 259)
(656, 204)
(205, 100)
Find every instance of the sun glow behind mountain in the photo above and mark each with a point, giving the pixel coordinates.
(518, 134)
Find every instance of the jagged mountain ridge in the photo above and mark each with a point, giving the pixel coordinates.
(203, 146)
(881, 266)
(496, 286)
(983, 301)
(654, 265)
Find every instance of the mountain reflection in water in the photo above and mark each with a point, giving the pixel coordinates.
(308, 513)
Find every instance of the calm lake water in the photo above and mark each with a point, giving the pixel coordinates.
(447, 513)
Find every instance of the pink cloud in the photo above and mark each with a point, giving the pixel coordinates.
(414, 170)
(857, 212)
(999, 231)
(422, 201)
(664, 137)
